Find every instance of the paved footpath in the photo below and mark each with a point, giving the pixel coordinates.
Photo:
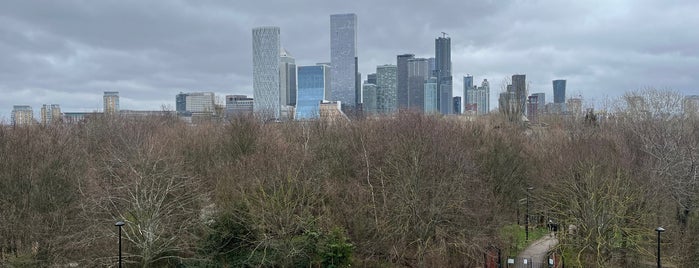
(537, 250)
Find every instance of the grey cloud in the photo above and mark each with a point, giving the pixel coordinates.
(68, 52)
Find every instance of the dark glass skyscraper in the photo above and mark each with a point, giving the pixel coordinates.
(559, 91)
(442, 47)
(343, 58)
(402, 80)
(418, 73)
(519, 87)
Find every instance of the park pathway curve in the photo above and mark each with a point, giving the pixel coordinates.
(537, 251)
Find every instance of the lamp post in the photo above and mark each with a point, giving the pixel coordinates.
(659, 230)
(119, 224)
(526, 221)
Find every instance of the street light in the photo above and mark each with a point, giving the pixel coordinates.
(119, 224)
(526, 221)
(659, 230)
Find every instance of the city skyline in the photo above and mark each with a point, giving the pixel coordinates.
(61, 53)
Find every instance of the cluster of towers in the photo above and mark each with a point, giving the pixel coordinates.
(421, 84)
(279, 86)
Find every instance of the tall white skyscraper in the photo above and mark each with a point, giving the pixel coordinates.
(343, 59)
(266, 48)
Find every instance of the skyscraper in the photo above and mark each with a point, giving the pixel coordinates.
(402, 80)
(369, 98)
(50, 113)
(287, 78)
(483, 98)
(22, 115)
(519, 87)
(111, 102)
(265, 65)
(476, 99)
(343, 58)
(443, 73)
(431, 96)
(386, 89)
(468, 94)
(418, 72)
(559, 91)
(312, 82)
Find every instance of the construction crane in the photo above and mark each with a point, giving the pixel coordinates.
(444, 35)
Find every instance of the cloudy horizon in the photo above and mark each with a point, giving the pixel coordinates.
(70, 52)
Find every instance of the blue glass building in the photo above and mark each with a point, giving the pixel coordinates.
(559, 91)
(431, 96)
(312, 83)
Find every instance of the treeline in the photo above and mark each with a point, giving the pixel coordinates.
(409, 191)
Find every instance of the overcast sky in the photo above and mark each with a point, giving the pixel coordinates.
(70, 52)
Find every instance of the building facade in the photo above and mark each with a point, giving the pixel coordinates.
(369, 98)
(477, 99)
(238, 105)
(287, 78)
(50, 113)
(265, 65)
(457, 105)
(386, 102)
(431, 95)
(443, 73)
(312, 83)
(559, 91)
(418, 72)
(402, 82)
(196, 104)
(22, 115)
(519, 87)
(343, 59)
(111, 102)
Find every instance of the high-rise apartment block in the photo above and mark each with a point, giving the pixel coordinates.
(22, 115)
(313, 82)
(476, 99)
(287, 78)
(111, 102)
(343, 58)
(50, 113)
(386, 102)
(265, 64)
